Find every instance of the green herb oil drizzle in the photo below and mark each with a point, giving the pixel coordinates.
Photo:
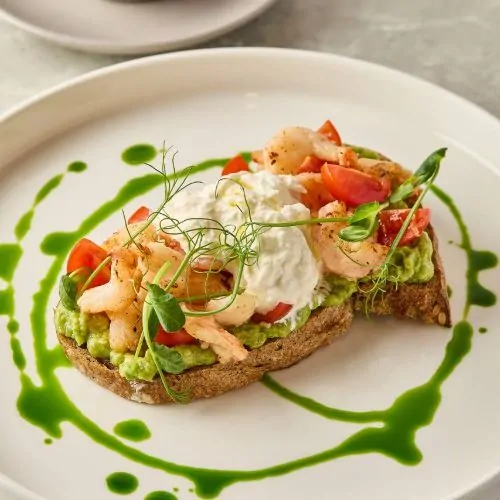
(77, 167)
(133, 430)
(47, 405)
(10, 255)
(160, 495)
(415, 408)
(122, 483)
(139, 154)
(477, 260)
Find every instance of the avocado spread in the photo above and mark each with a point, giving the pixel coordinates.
(413, 264)
(144, 368)
(79, 326)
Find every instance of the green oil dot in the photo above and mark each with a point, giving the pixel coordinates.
(133, 430)
(17, 353)
(77, 167)
(449, 291)
(122, 483)
(160, 495)
(13, 326)
(47, 188)
(139, 154)
(7, 301)
(10, 253)
(48, 441)
(175, 489)
(24, 224)
(483, 329)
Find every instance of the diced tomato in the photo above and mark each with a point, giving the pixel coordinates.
(311, 164)
(86, 254)
(391, 222)
(171, 339)
(329, 130)
(352, 186)
(141, 214)
(316, 195)
(279, 312)
(235, 165)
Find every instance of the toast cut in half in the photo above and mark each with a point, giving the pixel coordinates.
(255, 272)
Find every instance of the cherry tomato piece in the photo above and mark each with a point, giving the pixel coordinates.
(279, 312)
(87, 255)
(352, 186)
(329, 130)
(235, 165)
(141, 214)
(391, 222)
(171, 339)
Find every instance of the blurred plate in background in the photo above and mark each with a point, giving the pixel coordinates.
(108, 27)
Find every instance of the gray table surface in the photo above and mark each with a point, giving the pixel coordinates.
(454, 43)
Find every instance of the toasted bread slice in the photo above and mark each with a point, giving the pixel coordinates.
(210, 381)
(426, 301)
(418, 301)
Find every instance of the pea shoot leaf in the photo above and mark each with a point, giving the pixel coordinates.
(166, 308)
(68, 291)
(169, 360)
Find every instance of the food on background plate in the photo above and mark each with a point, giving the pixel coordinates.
(224, 282)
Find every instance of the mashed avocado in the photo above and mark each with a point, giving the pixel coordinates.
(194, 355)
(341, 289)
(98, 344)
(254, 335)
(413, 264)
(79, 326)
(144, 368)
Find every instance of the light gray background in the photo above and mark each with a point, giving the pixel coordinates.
(454, 43)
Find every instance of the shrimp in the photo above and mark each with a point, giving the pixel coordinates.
(316, 195)
(352, 260)
(119, 292)
(189, 283)
(239, 312)
(125, 327)
(207, 330)
(288, 149)
(121, 237)
(154, 256)
(382, 168)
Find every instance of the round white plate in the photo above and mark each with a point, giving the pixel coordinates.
(108, 27)
(245, 96)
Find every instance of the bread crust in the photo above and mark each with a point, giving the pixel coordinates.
(207, 382)
(427, 302)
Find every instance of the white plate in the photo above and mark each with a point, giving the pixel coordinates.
(108, 27)
(246, 95)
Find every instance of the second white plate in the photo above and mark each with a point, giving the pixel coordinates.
(108, 27)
